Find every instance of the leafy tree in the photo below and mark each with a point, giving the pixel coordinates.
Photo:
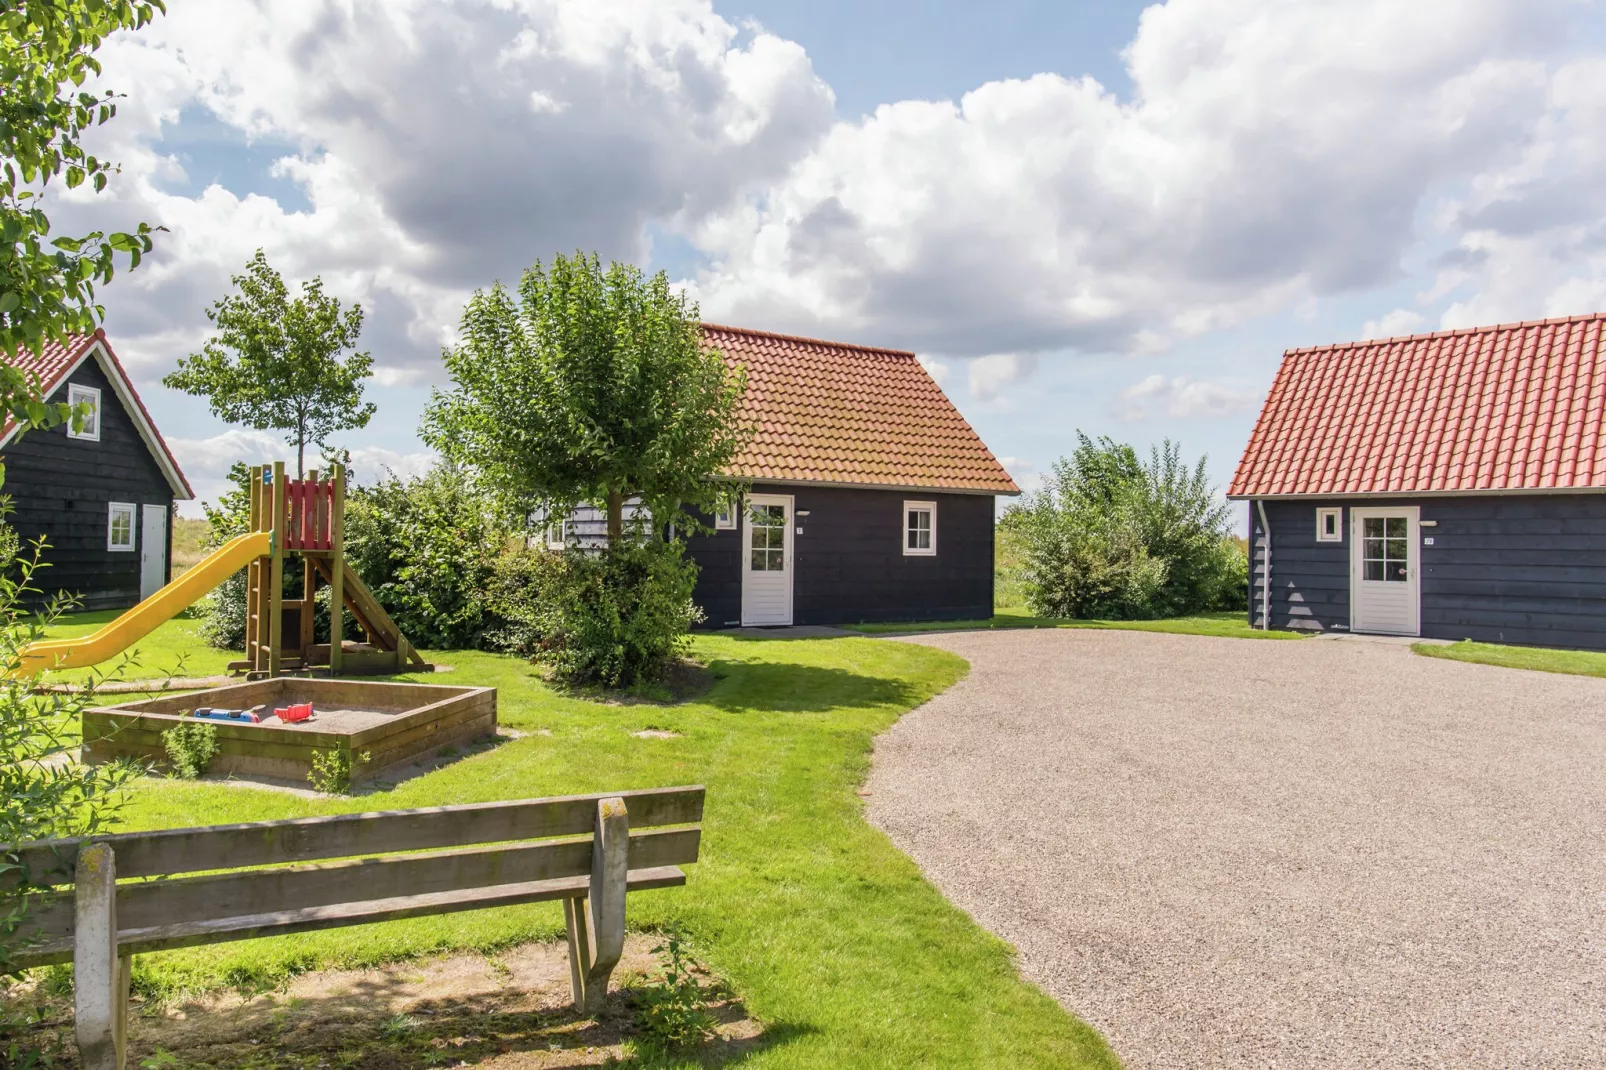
(47, 284)
(275, 364)
(592, 386)
(1112, 536)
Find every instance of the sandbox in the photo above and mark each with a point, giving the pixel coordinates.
(377, 726)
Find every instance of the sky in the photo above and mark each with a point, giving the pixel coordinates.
(1102, 216)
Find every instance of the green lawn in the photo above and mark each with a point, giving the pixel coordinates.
(1231, 625)
(175, 648)
(1540, 659)
(827, 932)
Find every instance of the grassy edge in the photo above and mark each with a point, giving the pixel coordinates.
(1532, 658)
(1230, 625)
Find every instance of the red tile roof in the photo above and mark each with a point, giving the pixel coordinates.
(1516, 407)
(831, 412)
(56, 360)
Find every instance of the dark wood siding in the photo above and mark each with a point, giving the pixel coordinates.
(849, 564)
(1521, 569)
(60, 488)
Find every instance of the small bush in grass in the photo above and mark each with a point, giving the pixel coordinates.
(617, 616)
(331, 771)
(190, 746)
(672, 1009)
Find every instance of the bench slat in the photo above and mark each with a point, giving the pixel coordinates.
(173, 851)
(252, 892)
(308, 919)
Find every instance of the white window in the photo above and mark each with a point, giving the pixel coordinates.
(557, 535)
(920, 529)
(725, 516)
(120, 526)
(86, 395)
(1329, 525)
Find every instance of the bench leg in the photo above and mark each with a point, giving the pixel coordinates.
(100, 975)
(596, 922)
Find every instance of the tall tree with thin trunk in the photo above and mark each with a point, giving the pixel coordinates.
(590, 386)
(275, 363)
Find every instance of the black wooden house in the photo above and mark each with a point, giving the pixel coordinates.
(102, 496)
(869, 497)
(1448, 485)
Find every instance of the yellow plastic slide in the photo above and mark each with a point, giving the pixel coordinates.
(128, 629)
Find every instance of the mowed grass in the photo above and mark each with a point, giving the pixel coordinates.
(1230, 624)
(175, 648)
(1539, 659)
(829, 934)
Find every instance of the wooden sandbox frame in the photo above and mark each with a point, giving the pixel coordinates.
(416, 721)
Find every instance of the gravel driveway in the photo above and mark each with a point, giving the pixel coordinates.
(1242, 853)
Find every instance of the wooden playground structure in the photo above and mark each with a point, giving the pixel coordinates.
(306, 517)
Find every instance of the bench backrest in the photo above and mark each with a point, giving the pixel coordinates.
(320, 861)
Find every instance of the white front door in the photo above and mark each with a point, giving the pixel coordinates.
(152, 549)
(1383, 571)
(767, 560)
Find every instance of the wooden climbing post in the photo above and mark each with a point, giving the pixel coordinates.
(253, 577)
(337, 567)
(276, 573)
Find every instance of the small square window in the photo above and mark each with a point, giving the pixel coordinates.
(920, 529)
(1330, 525)
(725, 516)
(120, 526)
(90, 396)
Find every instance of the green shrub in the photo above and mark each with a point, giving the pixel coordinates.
(222, 612)
(427, 548)
(331, 770)
(514, 612)
(190, 746)
(616, 616)
(672, 1010)
(1110, 536)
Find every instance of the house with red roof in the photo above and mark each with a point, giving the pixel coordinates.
(1448, 485)
(102, 496)
(868, 496)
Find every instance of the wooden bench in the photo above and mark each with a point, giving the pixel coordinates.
(322, 873)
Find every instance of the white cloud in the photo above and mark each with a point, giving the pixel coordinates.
(438, 146)
(1401, 321)
(206, 461)
(937, 369)
(371, 464)
(1024, 473)
(1270, 153)
(1181, 398)
(991, 375)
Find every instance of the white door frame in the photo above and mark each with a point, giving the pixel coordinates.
(1413, 559)
(788, 549)
(157, 574)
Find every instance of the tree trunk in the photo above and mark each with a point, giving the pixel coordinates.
(616, 518)
(301, 450)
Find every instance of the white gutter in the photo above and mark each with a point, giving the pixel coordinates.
(1265, 590)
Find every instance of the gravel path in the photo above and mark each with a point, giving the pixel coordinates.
(1231, 853)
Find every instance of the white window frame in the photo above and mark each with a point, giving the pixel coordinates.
(556, 535)
(730, 519)
(76, 394)
(128, 509)
(1337, 534)
(903, 533)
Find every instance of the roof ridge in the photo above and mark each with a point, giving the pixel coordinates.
(1449, 332)
(805, 338)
